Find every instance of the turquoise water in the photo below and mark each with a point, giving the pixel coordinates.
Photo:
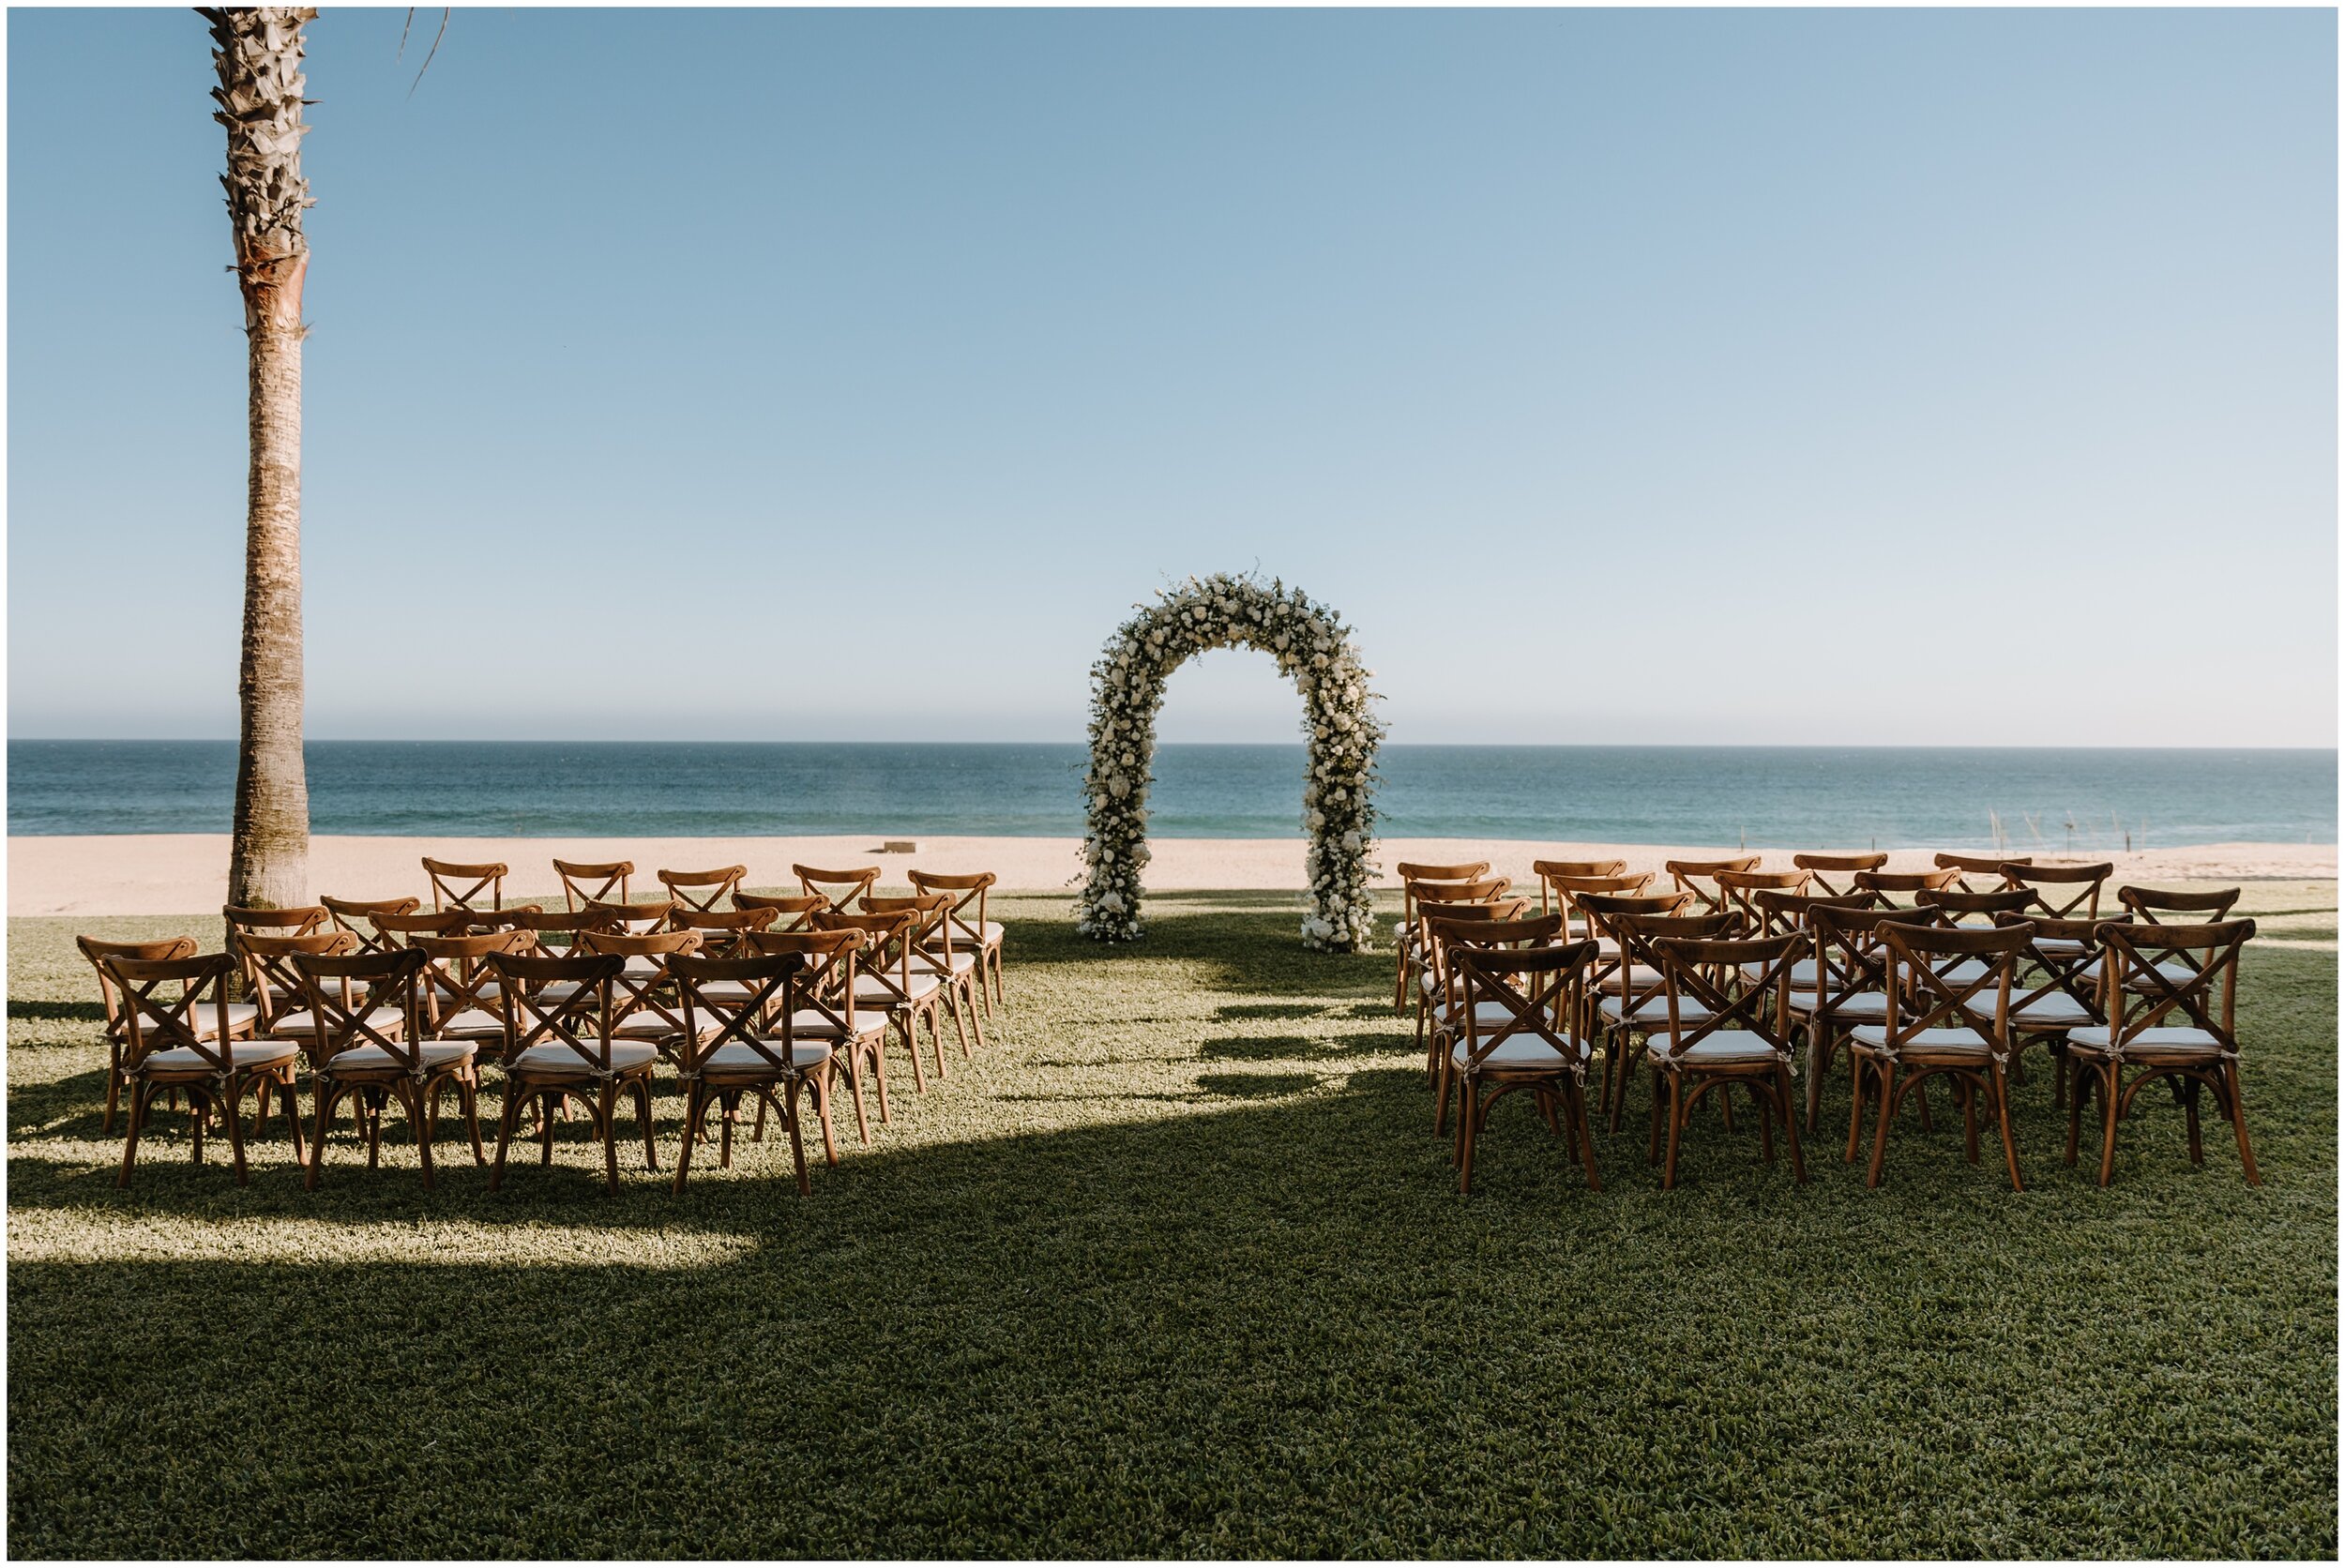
(1766, 797)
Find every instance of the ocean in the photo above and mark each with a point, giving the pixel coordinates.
(1771, 797)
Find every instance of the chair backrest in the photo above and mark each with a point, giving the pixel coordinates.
(2064, 956)
(1700, 877)
(356, 916)
(1550, 871)
(97, 950)
(1981, 909)
(153, 1020)
(1634, 973)
(546, 924)
(762, 1016)
(1599, 915)
(934, 929)
(585, 883)
(273, 977)
(2148, 903)
(1987, 868)
(643, 993)
(839, 889)
(1537, 991)
(1832, 871)
(1780, 911)
(1713, 974)
(720, 930)
(1849, 953)
(887, 944)
(297, 921)
(968, 889)
(1410, 870)
(1482, 925)
(2139, 991)
(1887, 887)
(792, 912)
(827, 984)
(457, 887)
(549, 1001)
(638, 917)
(1567, 891)
(347, 992)
(506, 919)
(399, 930)
(457, 974)
(1924, 993)
(1742, 887)
(2067, 892)
(702, 890)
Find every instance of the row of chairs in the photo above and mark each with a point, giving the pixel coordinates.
(754, 1003)
(1731, 974)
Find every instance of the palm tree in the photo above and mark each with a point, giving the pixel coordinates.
(257, 52)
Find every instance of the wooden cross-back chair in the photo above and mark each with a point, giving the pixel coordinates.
(356, 916)
(1519, 1006)
(457, 887)
(595, 881)
(2206, 907)
(792, 912)
(742, 1042)
(371, 1066)
(1415, 893)
(1634, 1006)
(1937, 1028)
(2180, 1029)
(1740, 890)
(558, 1047)
(1701, 879)
(702, 890)
(1978, 873)
(554, 931)
(888, 982)
(2062, 892)
(169, 1047)
(937, 948)
(839, 889)
(972, 928)
(1432, 995)
(1405, 928)
(395, 932)
(1832, 871)
(1550, 871)
(273, 978)
(462, 988)
(240, 1014)
(295, 921)
(2058, 989)
(1890, 887)
(1596, 907)
(1851, 982)
(642, 1007)
(1726, 1020)
(1617, 884)
(827, 1008)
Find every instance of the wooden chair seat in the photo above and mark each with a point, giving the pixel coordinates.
(474, 1023)
(812, 1022)
(1853, 1004)
(241, 1016)
(1491, 1016)
(241, 1053)
(932, 963)
(1517, 1051)
(2052, 1010)
(1652, 1011)
(375, 1059)
(803, 1055)
(557, 1060)
(2169, 1043)
(1803, 972)
(874, 993)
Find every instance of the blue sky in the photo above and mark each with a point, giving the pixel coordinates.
(1815, 377)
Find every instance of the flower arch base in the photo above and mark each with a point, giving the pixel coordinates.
(1315, 650)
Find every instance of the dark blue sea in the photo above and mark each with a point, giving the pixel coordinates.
(1765, 796)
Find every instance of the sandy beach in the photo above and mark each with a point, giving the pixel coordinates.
(188, 873)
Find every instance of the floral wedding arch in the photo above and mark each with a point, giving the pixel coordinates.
(1340, 725)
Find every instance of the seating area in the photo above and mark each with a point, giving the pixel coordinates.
(762, 1008)
(1731, 978)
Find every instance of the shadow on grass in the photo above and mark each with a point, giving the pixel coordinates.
(57, 1012)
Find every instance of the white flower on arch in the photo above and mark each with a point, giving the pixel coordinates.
(1340, 725)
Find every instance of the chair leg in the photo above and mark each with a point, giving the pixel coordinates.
(2239, 1121)
(855, 1089)
(1759, 1101)
(551, 1103)
(905, 1023)
(2076, 1117)
(323, 1094)
(1856, 1106)
(2190, 1119)
(879, 1079)
(1469, 1122)
(1579, 1106)
(113, 1082)
(139, 1096)
(692, 1103)
(2109, 1085)
(1787, 1105)
(507, 1119)
(644, 1121)
(1886, 1069)
(468, 1097)
(1819, 1059)
(1677, 1129)
(797, 1145)
(419, 1122)
(235, 1132)
(2002, 1091)
(609, 1117)
(1967, 1092)
(293, 1118)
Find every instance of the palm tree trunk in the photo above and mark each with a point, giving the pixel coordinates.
(258, 53)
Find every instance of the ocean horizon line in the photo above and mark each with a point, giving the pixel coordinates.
(1296, 744)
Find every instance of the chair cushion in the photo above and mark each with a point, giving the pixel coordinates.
(2169, 1043)
(556, 1057)
(1519, 1050)
(736, 1057)
(1803, 972)
(472, 1021)
(643, 967)
(1654, 1010)
(1948, 1041)
(1725, 1047)
(241, 1015)
(868, 989)
(1852, 1004)
(243, 1053)
(303, 1024)
(932, 963)
(1487, 1015)
(436, 1053)
(2056, 1010)
(807, 1021)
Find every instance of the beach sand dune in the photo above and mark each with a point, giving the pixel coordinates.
(188, 873)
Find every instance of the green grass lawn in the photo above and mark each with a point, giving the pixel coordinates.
(1180, 1268)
